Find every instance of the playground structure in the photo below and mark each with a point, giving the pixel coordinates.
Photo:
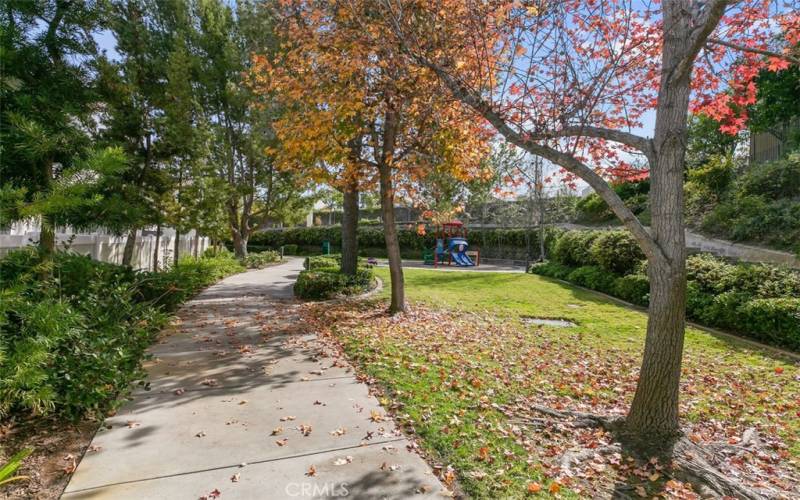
(451, 247)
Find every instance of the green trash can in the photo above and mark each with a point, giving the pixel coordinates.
(326, 247)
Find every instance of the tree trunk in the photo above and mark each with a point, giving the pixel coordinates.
(47, 237)
(47, 230)
(653, 416)
(157, 247)
(130, 244)
(350, 230)
(239, 245)
(176, 247)
(398, 303)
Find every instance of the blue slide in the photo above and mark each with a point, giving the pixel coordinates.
(458, 252)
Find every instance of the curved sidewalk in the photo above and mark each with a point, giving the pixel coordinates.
(241, 405)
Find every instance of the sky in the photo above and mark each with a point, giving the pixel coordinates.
(107, 43)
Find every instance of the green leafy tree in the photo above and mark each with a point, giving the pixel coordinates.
(239, 120)
(47, 120)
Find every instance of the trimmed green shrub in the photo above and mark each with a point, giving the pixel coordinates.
(593, 277)
(776, 320)
(290, 249)
(714, 276)
(551, 269)
(573, 248)
(257, 260)
(616, 251)
(634, 288)
(327, 282)
(322, 261)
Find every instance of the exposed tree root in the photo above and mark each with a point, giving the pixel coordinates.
(576, 456)
(580, 419)
(694, 464)
(700, 465)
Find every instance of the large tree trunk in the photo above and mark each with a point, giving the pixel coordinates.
(653, 416)
(350, 230)
(130, 244)
(239, 245)
(398, 303)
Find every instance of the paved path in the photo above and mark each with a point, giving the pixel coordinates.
(232, 379)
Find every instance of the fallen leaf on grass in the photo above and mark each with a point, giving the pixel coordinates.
(534, 487)
(449, 476)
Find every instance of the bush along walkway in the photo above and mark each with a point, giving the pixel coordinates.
(244, 401)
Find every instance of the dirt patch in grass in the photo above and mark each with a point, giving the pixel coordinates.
(57, 446)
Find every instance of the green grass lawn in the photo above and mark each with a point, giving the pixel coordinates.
(462, 367)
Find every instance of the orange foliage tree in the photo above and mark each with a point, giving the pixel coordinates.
(353, 115)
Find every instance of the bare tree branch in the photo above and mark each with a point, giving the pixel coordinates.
(643, 144)
(743, 48)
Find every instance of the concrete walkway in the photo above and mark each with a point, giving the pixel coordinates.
(242, 404)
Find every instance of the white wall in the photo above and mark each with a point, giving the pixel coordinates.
(108, 248)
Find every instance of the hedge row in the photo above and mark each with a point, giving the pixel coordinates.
(756, 300)
(495, 243)
(71, 342)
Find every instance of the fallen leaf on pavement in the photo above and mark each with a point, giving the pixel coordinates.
(343, 460)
